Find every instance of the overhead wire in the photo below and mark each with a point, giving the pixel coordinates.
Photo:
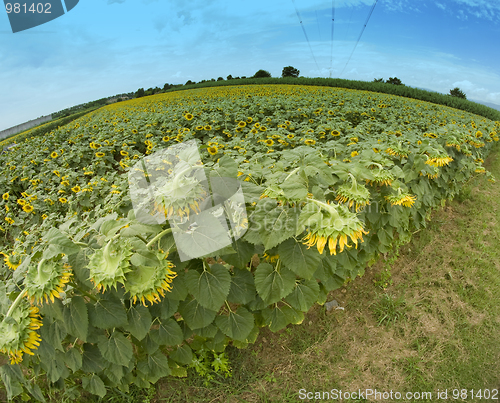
(305, 34)
(361, 34)
(331, 49)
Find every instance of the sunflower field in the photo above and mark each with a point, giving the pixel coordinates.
(93, 297)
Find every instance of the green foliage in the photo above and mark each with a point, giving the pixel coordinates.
(290, 71)
(457, 92)
(261, 74)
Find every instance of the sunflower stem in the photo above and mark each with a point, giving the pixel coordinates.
(291, 173)
(39, 268)
(228, 307)
(16, 303)
(81, 244)
(159, 236)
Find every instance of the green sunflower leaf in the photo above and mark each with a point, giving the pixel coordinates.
(94, 385)
(273, 285)
(237, 325)
(298, 258)
(183, 355)
(76, 318)
(211, 287)
(304, 295)
(154, 367)
(107, 314)
(242, 289)
(139, 321)
(279, 317)
(195, 315)
(117, 349)
(168, 334)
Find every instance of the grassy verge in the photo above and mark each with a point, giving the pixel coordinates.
(425, 319)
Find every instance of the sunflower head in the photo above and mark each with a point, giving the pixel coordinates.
(46, 281)
(17, 333)
(353, 194)
(109, 265)
(146, 284)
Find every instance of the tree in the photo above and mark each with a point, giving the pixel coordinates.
(457, 92)
(262, 74)
(167, 86)
(139, 93)
(378, 80)
(229, 77)
(290, 72)
(189, 82)
(220, 79)
(395, 81)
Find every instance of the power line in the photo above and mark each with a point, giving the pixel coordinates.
(305, 34)
(362, 30)
(331, 50)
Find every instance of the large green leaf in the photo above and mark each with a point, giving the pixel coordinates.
(76, 318)
(58, 243)
(279, 317)
(244, 252)
(211, 287)
(295, 188)
(117, 349)
(304, 295)
(12, 377)
(94, 385)
(139, 321)
(242, 289)
(154, 367)
(179, 289)
(107, 314)
(92, 359)
(73, 359)
(273, 285)
(237, 325)
(169, 333)
(271, 224)
(182, 355)
(195, 315)
(298, 258)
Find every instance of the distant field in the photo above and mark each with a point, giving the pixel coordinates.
(333, 178)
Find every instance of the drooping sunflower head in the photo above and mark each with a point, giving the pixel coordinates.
(17, 333)
(404, 199)
(439, 160)
(12, 261)
(353, 194)
(109, 265)
(332, 225)
(381, 177)
(46, 281)
(145, 283)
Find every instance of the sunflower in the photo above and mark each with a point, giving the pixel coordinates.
(355, 194)
(329, 224)
(208, 127)
(21, 202)
(262, 128)
(188, 116)
(76, 189)
(269, 142)
(124, 153)
(145, 283)
(28, 208)
(242, 124)
(335, 133)
(354, 153)
(310, 142)
(212, 150)
(47, 280)
(12, 261)
(108, 265)
(99, 154)
(5, 196)
(63, 200)
(19, 336)
(399, 199)
(439, 161)
(54, 154)
(290, 136)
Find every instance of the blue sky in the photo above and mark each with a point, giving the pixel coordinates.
(106, 47)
